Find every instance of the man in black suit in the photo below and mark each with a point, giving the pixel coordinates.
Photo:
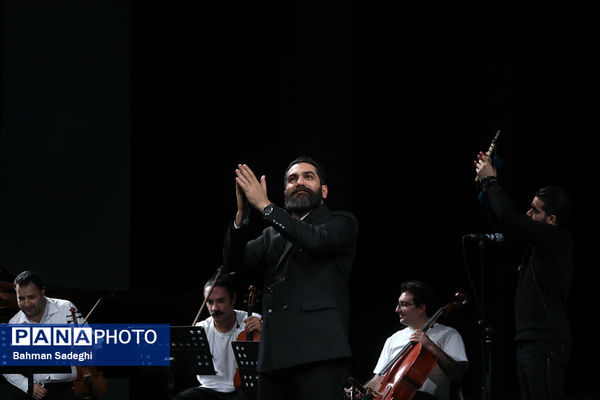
(306, 255)
(542, 326)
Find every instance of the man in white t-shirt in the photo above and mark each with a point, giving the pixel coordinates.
(222, 328)
(36, 308)
(444, 342)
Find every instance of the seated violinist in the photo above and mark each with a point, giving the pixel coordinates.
(36, 308)
(222, 328)
(444, 342)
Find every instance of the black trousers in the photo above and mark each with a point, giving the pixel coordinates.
(542, 368)
(323, 380)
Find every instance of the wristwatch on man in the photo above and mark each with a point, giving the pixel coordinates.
(487, 181)
(267, 210)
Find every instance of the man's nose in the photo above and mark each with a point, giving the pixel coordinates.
(529, 213)
(300, 181)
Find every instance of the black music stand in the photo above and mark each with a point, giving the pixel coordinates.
(190, 352)
(246, 355)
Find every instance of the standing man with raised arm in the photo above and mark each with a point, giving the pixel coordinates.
(545, 274)
(306, 255)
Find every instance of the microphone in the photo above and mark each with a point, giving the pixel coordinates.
(487, 237)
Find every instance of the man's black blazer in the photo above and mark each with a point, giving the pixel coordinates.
(306, 266)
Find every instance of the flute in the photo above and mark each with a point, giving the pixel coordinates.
(491, 148)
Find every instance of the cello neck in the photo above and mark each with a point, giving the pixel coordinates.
(433, 319)
(460, 300)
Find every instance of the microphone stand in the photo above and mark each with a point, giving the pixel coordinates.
(486, 334)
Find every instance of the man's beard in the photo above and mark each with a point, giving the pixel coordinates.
(299, 203)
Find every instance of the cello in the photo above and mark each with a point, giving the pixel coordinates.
(408, 370)
(90, 383)
(246, 336)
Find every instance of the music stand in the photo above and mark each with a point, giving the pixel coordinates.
(246, 355)
(190, 352)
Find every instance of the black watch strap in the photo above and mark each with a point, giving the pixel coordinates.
(267, 210)
(488, 180)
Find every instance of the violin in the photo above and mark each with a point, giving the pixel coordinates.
(408, 370)
(245, 336)
(90, 383)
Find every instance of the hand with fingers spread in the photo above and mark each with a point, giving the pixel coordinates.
(249, 187)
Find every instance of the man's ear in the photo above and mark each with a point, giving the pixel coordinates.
(551, 219)
(324, 190)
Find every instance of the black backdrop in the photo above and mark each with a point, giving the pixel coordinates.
(395, 100)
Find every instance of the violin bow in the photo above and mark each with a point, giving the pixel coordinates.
(207, 296)
(92, 310)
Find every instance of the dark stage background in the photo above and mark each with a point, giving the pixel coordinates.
(122, 124)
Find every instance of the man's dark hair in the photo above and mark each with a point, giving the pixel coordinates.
(27, 277)
(225, 281)
(556, 202)
(308, 160)
(422, 293)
